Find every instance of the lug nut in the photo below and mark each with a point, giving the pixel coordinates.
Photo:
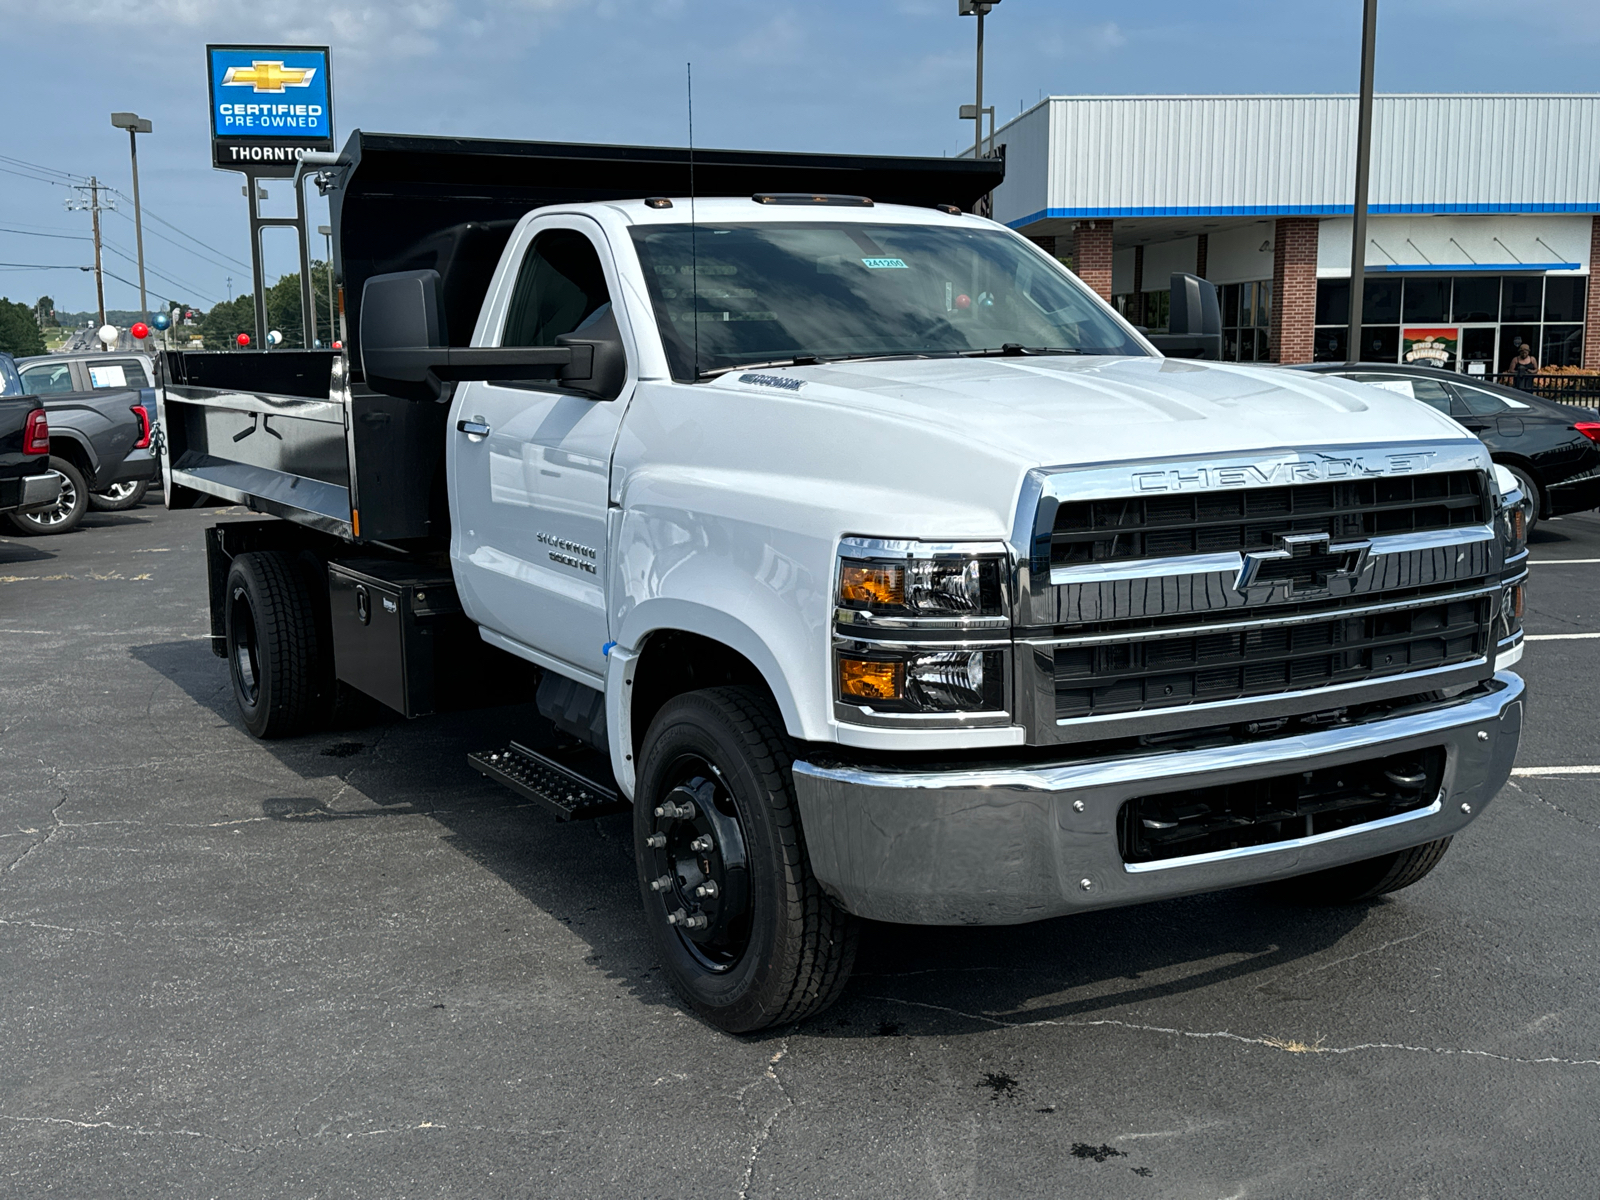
(662, 884)
(677, 917)
(1483, 735)
(656, 840)
(708, 888)
(1086, 884)
(1467, 808)
(1077, 806)
(701, 843)
(676, 812)
(698, 921)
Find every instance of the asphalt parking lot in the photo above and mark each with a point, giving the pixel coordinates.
(345, 965)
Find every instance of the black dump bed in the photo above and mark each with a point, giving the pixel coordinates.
(295, 433)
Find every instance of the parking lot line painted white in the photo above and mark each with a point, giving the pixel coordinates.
(1558, 637)
(1556, 562)
(1555, 770)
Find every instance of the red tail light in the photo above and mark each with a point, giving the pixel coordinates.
(1589, 429)
(36, 434)
(143, 414)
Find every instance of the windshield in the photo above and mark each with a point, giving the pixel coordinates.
(770, 293)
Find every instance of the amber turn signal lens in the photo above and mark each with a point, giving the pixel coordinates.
(871, 680)
(1516, 603)
(1518, 525)
(872, 585)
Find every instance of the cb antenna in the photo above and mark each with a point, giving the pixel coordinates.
(694, 255)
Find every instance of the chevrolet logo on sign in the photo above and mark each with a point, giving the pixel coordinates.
(269, 76)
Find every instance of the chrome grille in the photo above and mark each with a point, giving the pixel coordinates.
(1143, 527)
(1156, 599)
(1266, 658)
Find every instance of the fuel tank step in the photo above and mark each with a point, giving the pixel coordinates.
(566, 793)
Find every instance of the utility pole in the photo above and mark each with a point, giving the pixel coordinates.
(979, 9)
(135, 125)
(1358, 231)
(93, 205)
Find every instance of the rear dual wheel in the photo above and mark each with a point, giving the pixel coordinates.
(741, 924)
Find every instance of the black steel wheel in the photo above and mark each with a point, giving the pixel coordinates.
(119, 496)
(1364, 880)
(741, 924)
(282, 677)
(66, 513)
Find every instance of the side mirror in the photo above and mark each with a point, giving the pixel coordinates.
(402, 322)
(1194, 320)
(608, 366)
(405, 348)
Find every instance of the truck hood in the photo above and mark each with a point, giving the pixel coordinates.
(1067, 411)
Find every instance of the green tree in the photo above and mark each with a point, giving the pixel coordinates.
(226, 320)
(19, 332)
(283, 306)
(44, 312)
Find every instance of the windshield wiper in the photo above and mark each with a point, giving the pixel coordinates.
(1017, 350)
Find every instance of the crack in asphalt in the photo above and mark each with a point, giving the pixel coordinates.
(1534, 796)
(1288, 1046)
(55, 827)
(772, 1118)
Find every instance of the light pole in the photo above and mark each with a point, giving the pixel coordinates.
(979, 9)
(327, 232)
(135, 125)
(1358, 230)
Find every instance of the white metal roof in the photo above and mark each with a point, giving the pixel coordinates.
(1077, 157)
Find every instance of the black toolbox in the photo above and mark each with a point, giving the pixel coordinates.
(394, 625)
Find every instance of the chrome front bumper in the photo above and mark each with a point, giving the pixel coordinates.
(1013, 844)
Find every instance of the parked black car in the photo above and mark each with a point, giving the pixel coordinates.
(102, 415)
(26, 483)
(1551, 448)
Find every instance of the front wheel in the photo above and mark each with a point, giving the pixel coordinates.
(740, 922)
(119, 496)
(1367, 879)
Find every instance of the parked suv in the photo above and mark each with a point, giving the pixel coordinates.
(102, 411)
(1551, 448)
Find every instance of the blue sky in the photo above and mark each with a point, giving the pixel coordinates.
(871, 76)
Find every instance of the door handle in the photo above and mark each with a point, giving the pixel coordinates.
(474, 428)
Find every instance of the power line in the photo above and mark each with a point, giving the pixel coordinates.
(71, 237)
(177, 283)
(21, 162)
(42, 267)
(187, 250)
(37, 178)
(186, 233)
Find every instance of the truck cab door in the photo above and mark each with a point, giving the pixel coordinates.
(529, 462)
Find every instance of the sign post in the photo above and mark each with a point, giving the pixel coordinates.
(270, 106)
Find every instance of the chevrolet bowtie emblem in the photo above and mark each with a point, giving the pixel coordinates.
(1352, 560)
(271, 76)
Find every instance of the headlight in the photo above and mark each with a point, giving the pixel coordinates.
(921, 630)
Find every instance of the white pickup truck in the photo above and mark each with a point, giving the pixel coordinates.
(871, 559)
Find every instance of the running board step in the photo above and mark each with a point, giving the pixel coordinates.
(569, 795)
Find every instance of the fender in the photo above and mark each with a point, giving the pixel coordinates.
(60, 433)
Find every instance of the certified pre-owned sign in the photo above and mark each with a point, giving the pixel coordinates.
(269, 105)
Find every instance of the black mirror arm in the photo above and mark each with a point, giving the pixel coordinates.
(505, 362)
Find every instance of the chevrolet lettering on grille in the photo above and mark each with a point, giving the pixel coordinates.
(1329, 568)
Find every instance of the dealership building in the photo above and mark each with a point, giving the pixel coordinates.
(1484, 218)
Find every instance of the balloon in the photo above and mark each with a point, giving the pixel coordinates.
(274, 338)
(161, 321)
(243, 339)
(139, 330)
(338, 345)
(107, 334)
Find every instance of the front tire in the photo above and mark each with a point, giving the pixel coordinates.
(277, 657)
(119, 496)
(67, 512)
(1367, 879)
(741, 924)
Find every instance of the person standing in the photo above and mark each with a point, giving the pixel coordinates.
(1524, 367)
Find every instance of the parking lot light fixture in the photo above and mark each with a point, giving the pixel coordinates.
(135, 125)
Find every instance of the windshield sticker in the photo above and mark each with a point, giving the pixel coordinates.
(774, 381)
(878, 264)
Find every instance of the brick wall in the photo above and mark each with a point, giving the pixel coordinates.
(1091, 252)
(1591, 331)
(1294, 289)
(1046, 243)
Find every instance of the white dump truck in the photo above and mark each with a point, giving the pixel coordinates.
(877, 565)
